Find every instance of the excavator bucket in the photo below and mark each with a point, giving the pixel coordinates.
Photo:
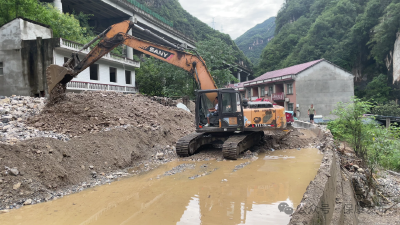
(54, 75)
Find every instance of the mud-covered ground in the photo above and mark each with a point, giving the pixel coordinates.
(110, 136)
(92, 138)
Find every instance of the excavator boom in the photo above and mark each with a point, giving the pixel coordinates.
(116, 35)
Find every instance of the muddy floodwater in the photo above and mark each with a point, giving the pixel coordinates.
(247, 191)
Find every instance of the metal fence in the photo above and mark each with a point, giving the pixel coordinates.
(147, 10)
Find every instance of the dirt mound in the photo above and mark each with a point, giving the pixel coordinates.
(110, 131)
(90, 112)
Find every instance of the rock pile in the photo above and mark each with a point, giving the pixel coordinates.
(14, 111)
(91, 112)
(164, 101)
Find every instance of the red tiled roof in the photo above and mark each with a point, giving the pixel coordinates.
(287, 71)
(278, 73)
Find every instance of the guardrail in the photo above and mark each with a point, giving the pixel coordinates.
(74, 46)
(86, 86)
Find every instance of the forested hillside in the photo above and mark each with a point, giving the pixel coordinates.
(191, 26)
(254, 40)
(357, 35)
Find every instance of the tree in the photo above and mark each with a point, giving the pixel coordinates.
(156, 77)
(378, 90)
(217, 55)
(63, 25)
(350, 125)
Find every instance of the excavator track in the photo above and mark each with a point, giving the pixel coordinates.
(186, 145)
(239, 142)
(189, 144)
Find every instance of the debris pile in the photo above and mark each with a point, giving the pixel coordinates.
(14, 111)
(93, 136)
(91, 112)
(164, 101)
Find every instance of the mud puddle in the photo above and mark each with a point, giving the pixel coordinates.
(262, 190)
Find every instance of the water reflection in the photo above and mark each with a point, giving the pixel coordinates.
(250, 195)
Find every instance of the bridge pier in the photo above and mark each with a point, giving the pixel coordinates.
(238, 75)
(129, 50)
(58, 5)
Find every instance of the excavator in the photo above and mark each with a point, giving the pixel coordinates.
(222, 117)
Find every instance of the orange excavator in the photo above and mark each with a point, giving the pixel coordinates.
(222, 118)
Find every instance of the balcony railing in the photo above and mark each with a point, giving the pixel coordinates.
(74, 46)
(280, 96)
(86, 86)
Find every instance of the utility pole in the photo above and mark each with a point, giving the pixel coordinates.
(213, 24)
(222, 29)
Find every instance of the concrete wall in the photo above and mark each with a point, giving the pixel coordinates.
(30, 31)
(104, 70)
(323, 85)
(18, 77)
(328, 195)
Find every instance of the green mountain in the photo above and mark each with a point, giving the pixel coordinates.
(189, 25)
(357, 35)
(254, 40)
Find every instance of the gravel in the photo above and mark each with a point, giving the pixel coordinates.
(14, 111)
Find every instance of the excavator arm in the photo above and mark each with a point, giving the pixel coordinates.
(116, 35)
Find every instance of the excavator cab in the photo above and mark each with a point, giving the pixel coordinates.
(219, 110)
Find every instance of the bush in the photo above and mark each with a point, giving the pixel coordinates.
(371, 142)
(390, 109)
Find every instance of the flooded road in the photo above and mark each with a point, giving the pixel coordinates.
(210, 192)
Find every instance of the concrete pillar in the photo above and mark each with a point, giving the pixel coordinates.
(58, 5)
(247, 77)
(387, 123)
(238, 75)
(129, 50)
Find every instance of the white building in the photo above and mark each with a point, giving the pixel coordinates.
(27, 49)
(112, 72)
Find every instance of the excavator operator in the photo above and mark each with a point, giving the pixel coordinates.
(212, 112)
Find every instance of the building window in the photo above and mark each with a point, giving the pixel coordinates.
(270, 90)
(262, 91)
(243, 95)
(128, 76)
(249, 93)
(289, 89)
(1, 69)
(290, 106)
(94, 72)
(113, 74)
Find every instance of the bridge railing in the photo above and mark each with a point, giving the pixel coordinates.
(149, 11)
(87, 86)
(74, 46)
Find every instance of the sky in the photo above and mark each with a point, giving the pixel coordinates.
(233, 17)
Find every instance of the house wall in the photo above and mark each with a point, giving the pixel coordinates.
(323, 85)
(103, 73)
(292, 97)
(12, 82)
(30, 31)
(16, 78)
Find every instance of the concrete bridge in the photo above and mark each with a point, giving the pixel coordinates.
(108, 12)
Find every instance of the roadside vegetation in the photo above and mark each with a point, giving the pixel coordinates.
(377, 146)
